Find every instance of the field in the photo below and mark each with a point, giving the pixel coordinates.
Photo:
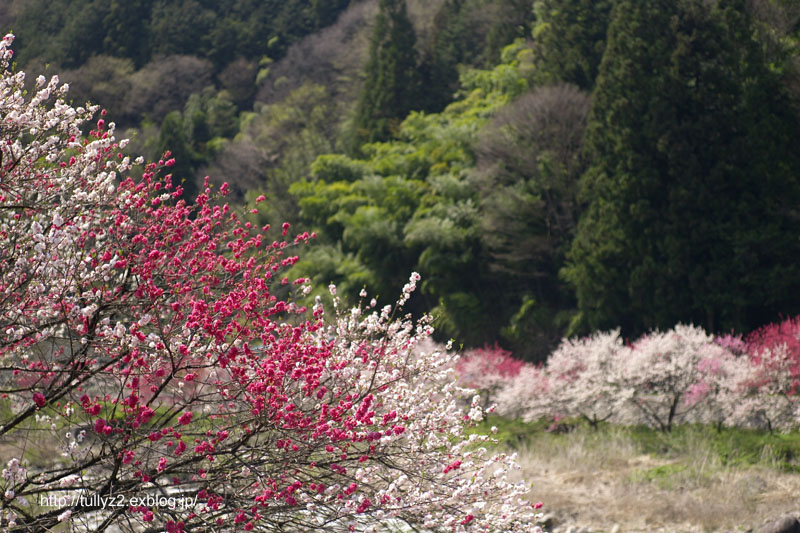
(694, 479)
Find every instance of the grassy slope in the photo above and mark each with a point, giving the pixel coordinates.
(635, 479)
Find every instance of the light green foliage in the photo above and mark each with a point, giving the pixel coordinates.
(408, 205)
(337, 167)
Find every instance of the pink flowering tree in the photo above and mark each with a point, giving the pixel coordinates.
(152, 349)
(768, 397)
(784, 335)
(771, 388)
(487, 370)
(663, 379)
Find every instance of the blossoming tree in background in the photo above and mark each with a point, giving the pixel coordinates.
(152, 348)
(487, 370)
(584, 377)
(677, 376)
(682, 375)
(772, 385)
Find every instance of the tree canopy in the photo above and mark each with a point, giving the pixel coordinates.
(692, 190)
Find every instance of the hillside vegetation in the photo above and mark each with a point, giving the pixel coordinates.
(550, 169)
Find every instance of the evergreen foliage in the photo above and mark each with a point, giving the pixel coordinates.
(692, 192)
(468, 32)
(143, 29)
(173, 139)
(570, 39)
(392, 83)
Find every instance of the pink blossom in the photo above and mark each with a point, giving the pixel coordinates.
(38, 399)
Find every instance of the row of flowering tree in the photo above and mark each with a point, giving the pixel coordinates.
(683, 375)
(151, 349)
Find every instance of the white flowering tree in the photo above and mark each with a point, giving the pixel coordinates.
(678, 376)
(664, 378)
(527, 395)
(145, 354)
(585, 377)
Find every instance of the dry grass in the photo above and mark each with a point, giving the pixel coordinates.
(602, 482)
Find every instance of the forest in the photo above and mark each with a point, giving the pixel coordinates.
(550, 169)
(588, 208)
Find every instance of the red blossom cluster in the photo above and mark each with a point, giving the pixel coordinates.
(487, 370)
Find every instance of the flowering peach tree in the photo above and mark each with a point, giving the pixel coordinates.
(677, 376)
(158, 373)
(487, 370)
(681, 375)
(772, 384)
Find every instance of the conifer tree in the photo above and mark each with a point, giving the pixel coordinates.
(173, 139)
(693, 190)
(392, 81)
(570, 38)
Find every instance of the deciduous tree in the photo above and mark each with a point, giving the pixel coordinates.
(145, 353)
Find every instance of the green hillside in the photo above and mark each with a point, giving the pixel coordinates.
(550, 168)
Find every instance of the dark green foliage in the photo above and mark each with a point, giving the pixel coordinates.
(181, 27)
(324, 12)
(468, 32)
(510, 20)
(68, 32)
(125, 28)
(449, 42)
(693, 190)
(529, 162)
(173, 139)
(570, 39)
(392, 83)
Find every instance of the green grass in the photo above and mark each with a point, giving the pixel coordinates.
(664, 476)
(727, 446)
